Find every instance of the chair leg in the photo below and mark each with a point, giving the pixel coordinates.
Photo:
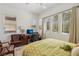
(13, 53)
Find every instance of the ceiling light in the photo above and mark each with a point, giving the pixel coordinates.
(43, 6)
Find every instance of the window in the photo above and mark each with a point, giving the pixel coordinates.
(55, 23)
(48, 25)
(59, 22)
(10, 24)
(66, 16)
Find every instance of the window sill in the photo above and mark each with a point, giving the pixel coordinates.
(65, 33)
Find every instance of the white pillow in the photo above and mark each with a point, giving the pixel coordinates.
(75, 51)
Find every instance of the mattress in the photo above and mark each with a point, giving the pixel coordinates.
(46, 47)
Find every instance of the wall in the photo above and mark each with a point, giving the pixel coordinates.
(57, 9)
(22, 17)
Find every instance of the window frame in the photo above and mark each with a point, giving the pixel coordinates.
(62, 20)
(59, 21)
(55, 23)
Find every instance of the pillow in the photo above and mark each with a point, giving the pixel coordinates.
(66, 47)
(75, 51)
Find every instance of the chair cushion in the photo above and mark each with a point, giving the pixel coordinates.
(5, 45)
(11, 48)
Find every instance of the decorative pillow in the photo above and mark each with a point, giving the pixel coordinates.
(75, 51)
(66, 47)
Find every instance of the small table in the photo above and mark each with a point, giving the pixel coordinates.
(31, 39)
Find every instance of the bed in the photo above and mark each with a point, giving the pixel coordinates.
(46, 47)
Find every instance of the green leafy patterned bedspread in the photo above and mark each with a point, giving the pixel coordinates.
(46, 47)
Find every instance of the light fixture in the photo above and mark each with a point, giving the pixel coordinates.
(43, 6)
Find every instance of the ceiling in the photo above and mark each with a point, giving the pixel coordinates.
(35, 8)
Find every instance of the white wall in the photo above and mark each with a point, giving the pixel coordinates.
(22, 17)
(55, 10)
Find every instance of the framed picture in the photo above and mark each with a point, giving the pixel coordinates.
(10, 24)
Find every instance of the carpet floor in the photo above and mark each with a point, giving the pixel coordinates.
(18, 51)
